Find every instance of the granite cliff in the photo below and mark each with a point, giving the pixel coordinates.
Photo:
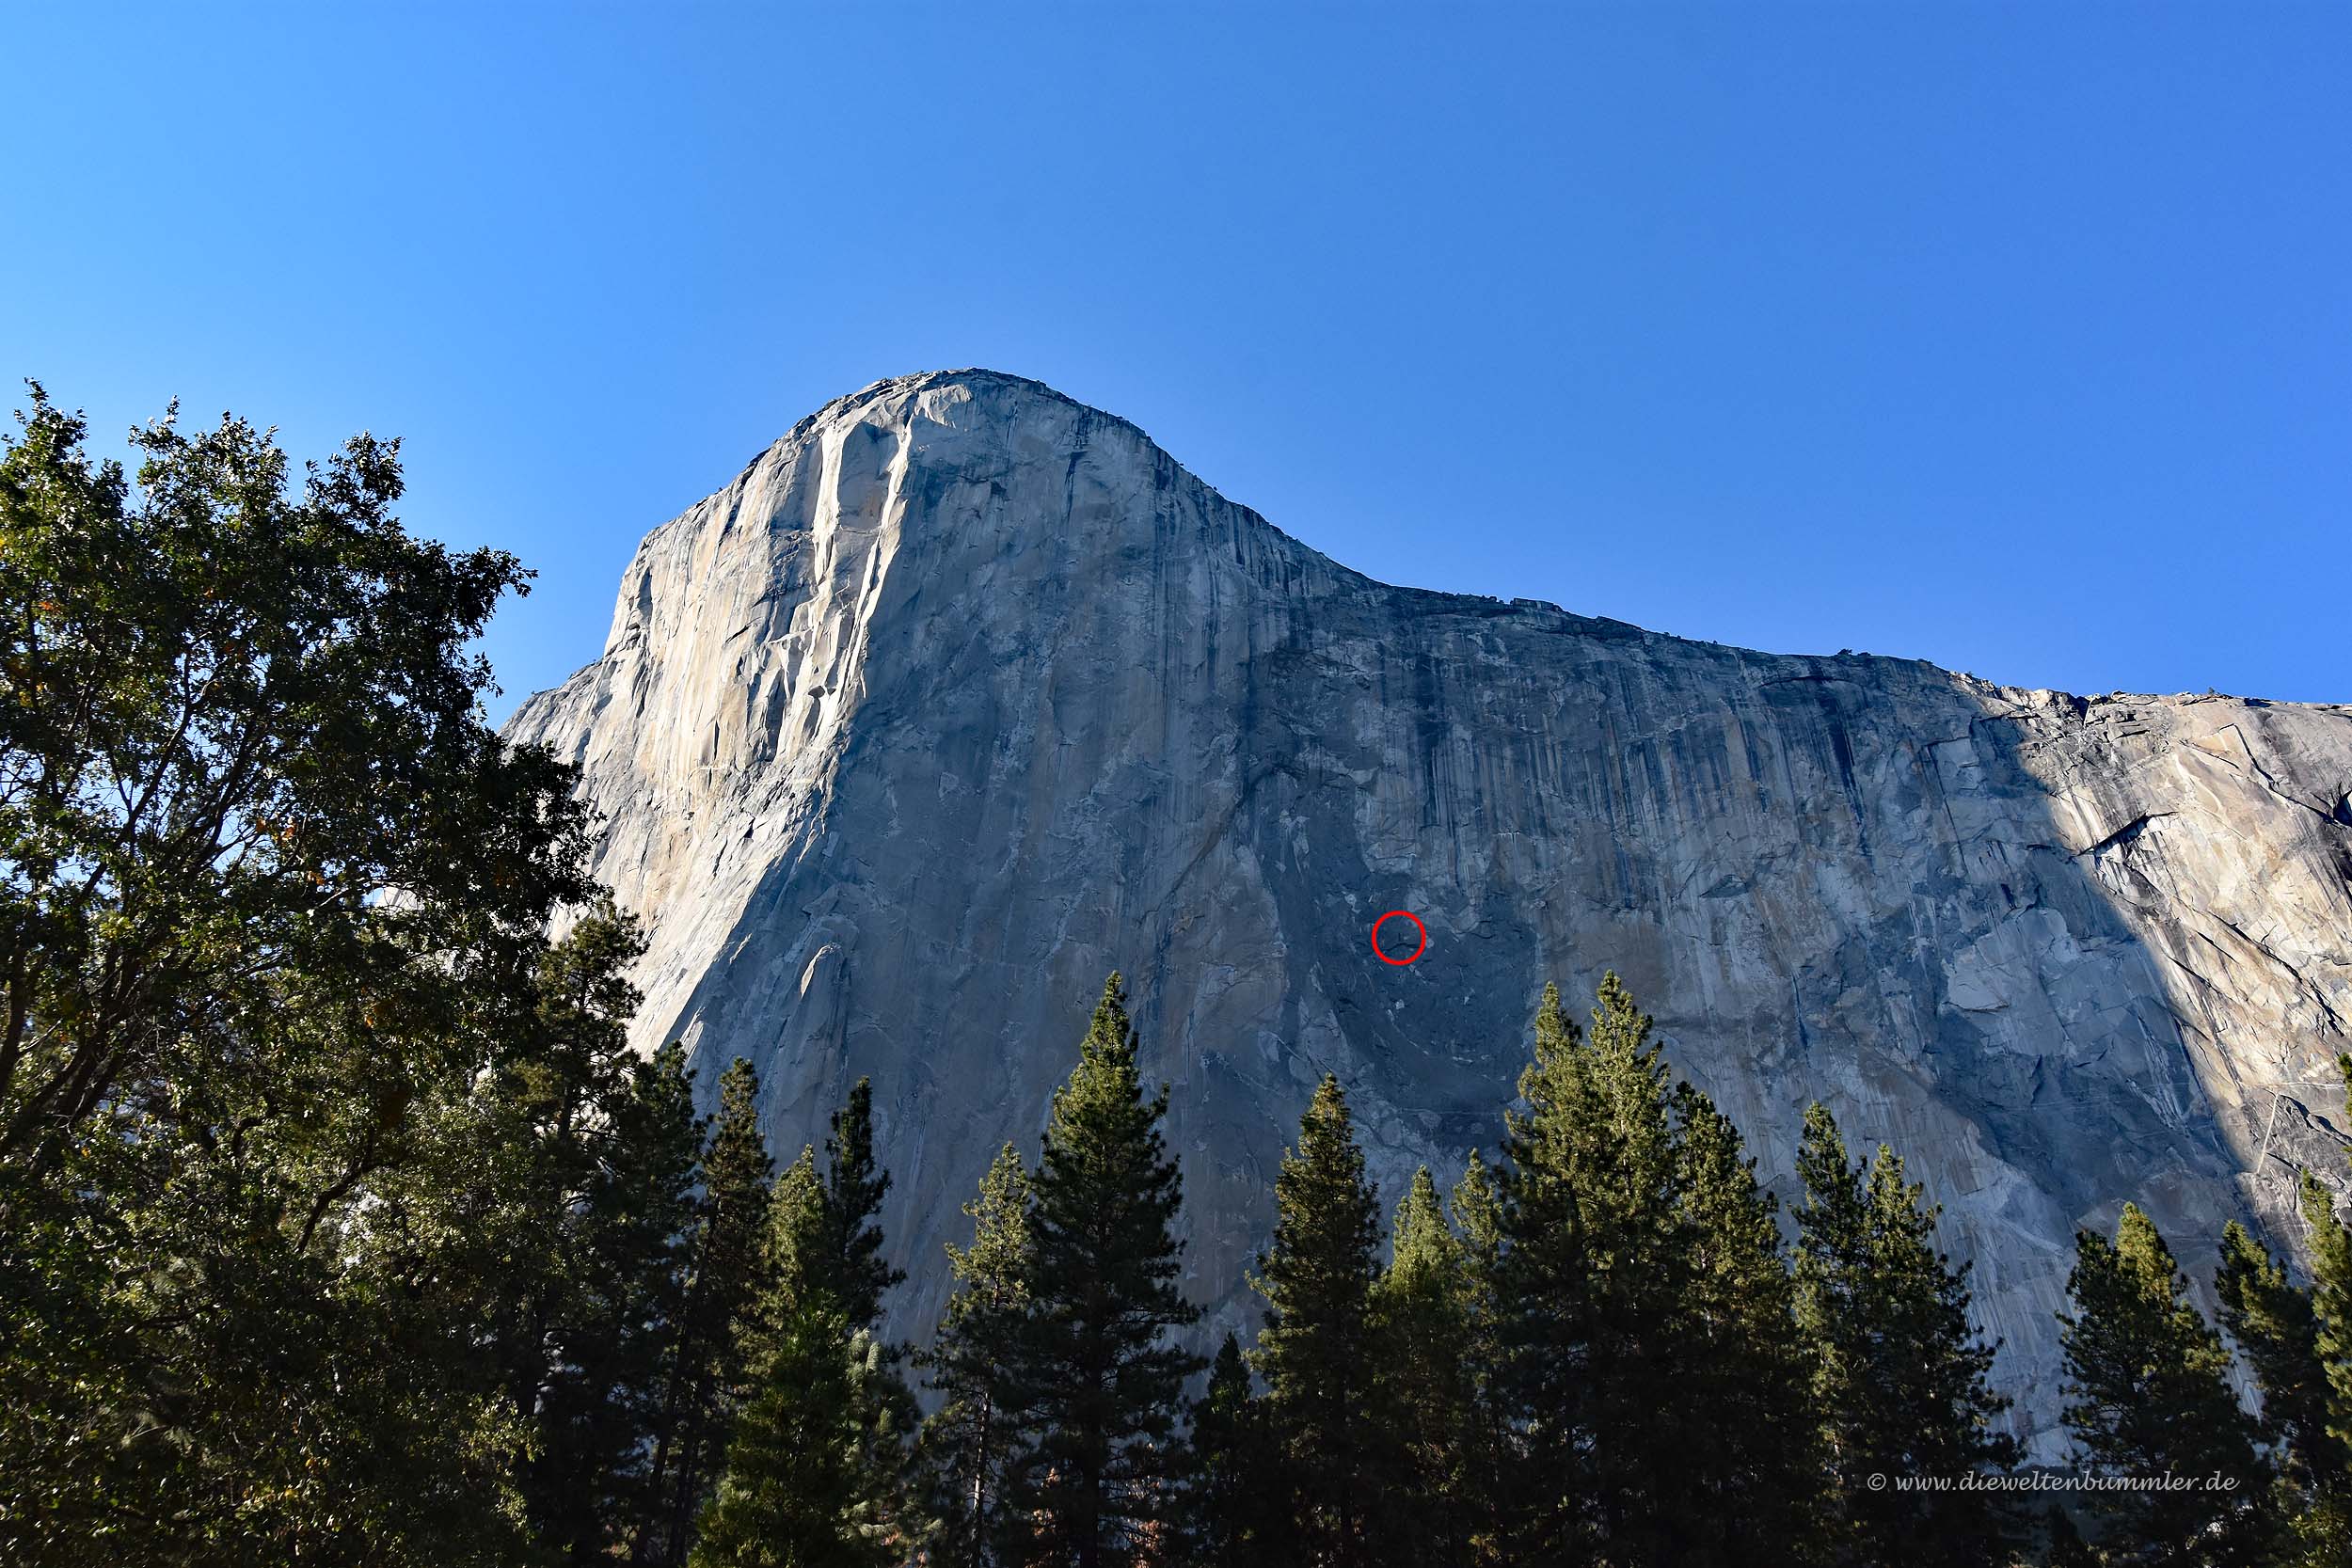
(962, 694)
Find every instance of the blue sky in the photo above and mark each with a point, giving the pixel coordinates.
(2015, 338)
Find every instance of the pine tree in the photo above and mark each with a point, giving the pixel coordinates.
(2148, 1392)
(853, 1193)
(1093, 1374)
(1640, 1290)
(2273, 1323)
(1477, 1210)
(1423, 1310)
(2331, 1293)
(2276, 1328)
(796, 1247)
(1542, 1266)
(602, 1405)
(815, 1459)
(2325, 1526)
(1236, 1512)
(565, 1190)
(1750, 1465)
(1487, 1442)
(1315, 1351)
(578, 1203)
(965, 1439)
(1900, 1377)
(789, 1472)
(1594, 1269)
(707, 1370)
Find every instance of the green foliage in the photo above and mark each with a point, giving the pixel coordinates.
(1558, 1156)
(272, 912)
(1323, 1401)
(2331, 1295)
(574, 1184)
(815, 1462)
(234, 717)
(799, 1251)
(1750, 1464)
(338, 1223)
(2300, 1344)
(2276, 1328)
(1093, 1380)
(639, 1215)
(2148, 1395)
(855, 1186)
(1632, 1231)
(734, 1251)
(964, 1441)
(1236, 1504)
(1424, 1306)
(1488, 1441)
(2316, 1529)
(1900, 1377)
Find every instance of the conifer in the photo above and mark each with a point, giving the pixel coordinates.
(1748, 1461)
(707, 1371)
(965, 1439)
(1593, 1268)
(1487, 1442)
(1092, 1376)
(855, 1186)
(1899, 1375)
(817, 1459)
(1542, 1265)
(1423, 1307)
(2272, 1322)
(814, 1464)
(579, 1212)
(1315, 1351)
(2148, 1396)
(602, 1406)
(797, 1245)
(2331, 1293)
(1236, 1508)
(2324, 1525)
(1639, 1295)
(1477, 1212)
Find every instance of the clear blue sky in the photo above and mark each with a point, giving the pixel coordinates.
(2015, 338)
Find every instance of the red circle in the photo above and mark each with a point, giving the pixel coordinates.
(1417, 926)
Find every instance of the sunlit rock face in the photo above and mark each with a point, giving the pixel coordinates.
(963, 694)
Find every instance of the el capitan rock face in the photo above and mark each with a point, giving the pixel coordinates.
(963, 694)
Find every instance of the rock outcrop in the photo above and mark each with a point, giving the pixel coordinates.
(962, 694)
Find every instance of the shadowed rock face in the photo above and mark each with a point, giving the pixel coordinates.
(963, 694)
